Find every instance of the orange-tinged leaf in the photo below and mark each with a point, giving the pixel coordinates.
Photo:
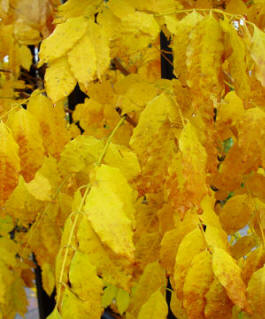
(176, 307)
(228, 273)
(154, 308)
(172, 239)
(9, 163)
(243, 246)
(52, 123)
(22, 204)
(256, 293)
(218, 305)
(236, 213)
(26, 132)
(255, 260)
(197, 281)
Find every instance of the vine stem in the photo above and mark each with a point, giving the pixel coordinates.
(78, 213)
(119, 124)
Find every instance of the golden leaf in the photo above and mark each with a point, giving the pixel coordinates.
(236, 213)
(191, 245)
(257, 53)
(197, 281)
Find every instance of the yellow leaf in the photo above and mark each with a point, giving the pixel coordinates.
(9, 163)
(109, 293)
(82, 60)
(154, 308)
(48, 278)
(109, 207)
(25, 57)
(75, 8)
(112, 268)
(59, 80)
(140, 22)
(257, 53)
(152, 279)
(89, 58)
(256, 293)
(122, 300)
(229, 275)
(74, 307)
(84, 280)
(40, 188)
(6, 225)
(62, 39)
(197, 281)
(54, 315)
